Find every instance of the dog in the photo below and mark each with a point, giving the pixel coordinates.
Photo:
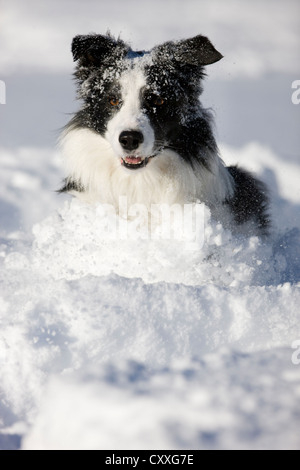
(143, 133)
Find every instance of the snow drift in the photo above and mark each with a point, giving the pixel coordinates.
(144, 343)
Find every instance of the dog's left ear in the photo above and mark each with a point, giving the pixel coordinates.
(196, 51)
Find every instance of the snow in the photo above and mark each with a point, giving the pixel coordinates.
(140, 343)
(198, 404)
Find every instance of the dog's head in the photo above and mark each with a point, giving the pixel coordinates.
(139, 101)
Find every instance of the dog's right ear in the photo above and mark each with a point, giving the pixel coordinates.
(92, 49)
(197, 51)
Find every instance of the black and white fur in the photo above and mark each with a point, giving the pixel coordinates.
(143, 133)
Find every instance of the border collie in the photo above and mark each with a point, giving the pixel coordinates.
(143, 133)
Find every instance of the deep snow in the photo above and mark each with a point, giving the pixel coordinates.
(145, 344)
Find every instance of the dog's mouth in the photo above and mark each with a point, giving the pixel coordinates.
(133, 162)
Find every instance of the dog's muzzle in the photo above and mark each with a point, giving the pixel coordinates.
(130, 141)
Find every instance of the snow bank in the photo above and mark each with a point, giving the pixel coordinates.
(146, 343)
(28, 180)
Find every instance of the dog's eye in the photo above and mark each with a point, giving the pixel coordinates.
(158, 101)
(114, 101)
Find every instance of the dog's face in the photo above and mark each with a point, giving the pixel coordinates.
(140, 102)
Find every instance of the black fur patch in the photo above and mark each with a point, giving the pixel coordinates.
(71, 185)
(250, 200)
(95, 49)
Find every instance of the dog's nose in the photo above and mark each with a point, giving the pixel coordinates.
(130, 140)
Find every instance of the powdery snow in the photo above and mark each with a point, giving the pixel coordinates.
(208, 403)
(140, 343)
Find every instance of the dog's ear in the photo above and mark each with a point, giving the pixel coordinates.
(194, 51)
(197, 51)
(92, 49)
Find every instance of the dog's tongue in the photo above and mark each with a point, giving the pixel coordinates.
(133, 160)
